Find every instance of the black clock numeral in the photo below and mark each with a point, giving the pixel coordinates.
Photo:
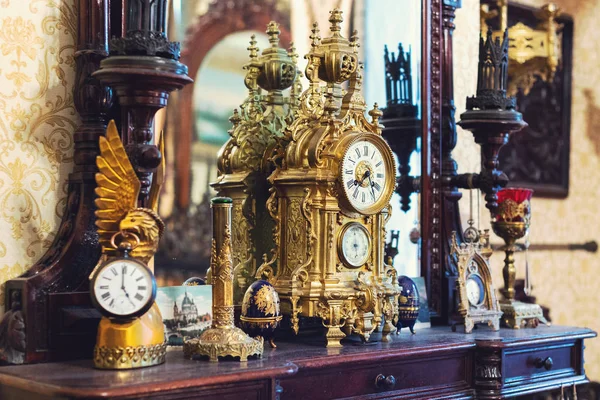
(105, 296)
(141, 287)
(350, 183)
(139, 279)
(124, 269)
(132, 272)
(348, 172)
(377, 186)
(379, 175)
(114, 271)
(138, 297)
(363, 197)
(372, 155)
(104, 287)
(366, 151)
(351, 160)
(357, 152)
(112, 303)
(378, 164)
(355, 194)
(107, 278)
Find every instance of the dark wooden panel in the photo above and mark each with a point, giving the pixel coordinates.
(521, 364)
(450, 373)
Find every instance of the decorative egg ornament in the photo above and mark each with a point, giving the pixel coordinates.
(260, 311)
(408, 304)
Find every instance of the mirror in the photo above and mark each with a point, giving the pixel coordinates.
(214, 49)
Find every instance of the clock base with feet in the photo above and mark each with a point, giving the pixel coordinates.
(517, 314)
(127, 345)
(223, 342)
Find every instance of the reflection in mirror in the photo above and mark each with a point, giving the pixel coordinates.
(393, 78)
(218, 89)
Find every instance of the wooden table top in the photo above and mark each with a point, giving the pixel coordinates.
(80, 379)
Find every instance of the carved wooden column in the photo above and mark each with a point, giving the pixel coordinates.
(45, 319)
(142, 70)
(451, 195)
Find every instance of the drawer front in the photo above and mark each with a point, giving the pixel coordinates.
(541, 363)
(257, 390)
(450, 373)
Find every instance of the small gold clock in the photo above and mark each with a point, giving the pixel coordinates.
(477, 301)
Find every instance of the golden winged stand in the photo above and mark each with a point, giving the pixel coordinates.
(139, 342)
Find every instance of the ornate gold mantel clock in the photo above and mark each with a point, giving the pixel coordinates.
(330, 200)
(477, 301)
(123, 288)
(244, 162)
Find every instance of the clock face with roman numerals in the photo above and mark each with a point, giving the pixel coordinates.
(365, 172)
(123, 288)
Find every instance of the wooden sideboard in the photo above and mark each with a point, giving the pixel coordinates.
(433, 364)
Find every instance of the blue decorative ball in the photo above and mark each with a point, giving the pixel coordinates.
(408, 304)
(260, 311)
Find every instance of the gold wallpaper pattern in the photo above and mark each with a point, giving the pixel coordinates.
(37, 120)
(565, 281)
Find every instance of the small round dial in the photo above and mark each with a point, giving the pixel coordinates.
(123, 288)
(475, 290)
(355, 247)
(366, 169)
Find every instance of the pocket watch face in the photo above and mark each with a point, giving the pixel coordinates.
(355, 245)
(475, 290)
(366, 169)
(123, 288)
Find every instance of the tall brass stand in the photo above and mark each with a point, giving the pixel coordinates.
(223, 338)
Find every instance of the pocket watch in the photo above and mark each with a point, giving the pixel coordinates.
(366, 167)
(122, 287)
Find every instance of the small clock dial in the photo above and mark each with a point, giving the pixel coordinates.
(355, 245)
(364, 174)
(475, 290)
(124, 288)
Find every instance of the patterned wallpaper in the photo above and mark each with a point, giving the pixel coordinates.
(37, 119)
(567, 282)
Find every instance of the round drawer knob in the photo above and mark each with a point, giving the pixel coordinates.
(385, 382)
(545, 363)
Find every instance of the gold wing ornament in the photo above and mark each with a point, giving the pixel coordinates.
(117, 189)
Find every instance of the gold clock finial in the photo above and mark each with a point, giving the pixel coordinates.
(336, 19)
(253, 49)
(315, 37)
(354, 41)
(273, 32)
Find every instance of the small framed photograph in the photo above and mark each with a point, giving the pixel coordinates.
(186, 311)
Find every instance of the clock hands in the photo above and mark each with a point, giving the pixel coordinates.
(371, 184)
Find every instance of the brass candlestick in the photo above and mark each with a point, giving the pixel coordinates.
(511, 222)
(223, 338)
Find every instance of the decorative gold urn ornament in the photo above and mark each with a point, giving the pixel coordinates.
(511, 223)
(244, 161)
(330, 199)
(122, 287)
(223, 338)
